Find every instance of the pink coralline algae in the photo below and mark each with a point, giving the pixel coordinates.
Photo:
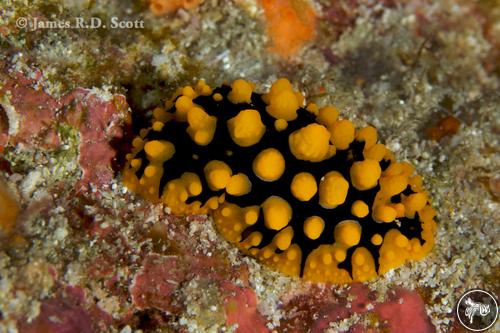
(98, 120)
(395, 314)
(240, 306)
(66, 313)
(156, 282)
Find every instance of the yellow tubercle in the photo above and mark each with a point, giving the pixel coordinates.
(363, 265)
(384, 213)
(392, 185)
(217, 97)
(277, 213)
(313, 227)
(241, 92)
(367, 134)
(230, 222)
(159, 151)
(376, 239)
(280, 124)
(376, 152)
(313, 108)
(203, 89)
(217, 174)
(246, 128)
(333, 190)
(359, 209)
(188, 91)
(192, 183)
(201, 126)
(365, 174)
(182, 105)
(283, 239)
(269, 165)
(303, 186)
(342, 133)
(321, 266)
(327, 116)
(238, 185)
(347, 233)
(311, 143)
(282, 101)
(393, 252)
(413, 203)
(251, 214)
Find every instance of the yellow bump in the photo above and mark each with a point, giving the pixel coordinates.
(383, 213)
(333, 190)
(217, 97)
(182, 105)
(277, 213)
(310, 143)
(161, 115)
(251, 215)
(255, 238)
(283, 239)
(377, 239)
(282, 101)
(246, 128)
(150, 171)
(400, 209)
(159, 150)
(401, 240)
(280, 124)
(327, 116)
(359, 209)
(367, 134)
(342, 133)
(303, 186)
(188, 91)
(377, 152)
(135, 163)
(241, 92)
(358, 259)
(393, 185)
(284, 106)
(239, 184)
(414, 202)
(339, 253)
(158, 126)
(192, 183)
(292, 253)
(365, 174)
(201, 126)
(269, 165)
(363, 265)
(313, 227)
(347, 233)
(213, 203)
(217, 174)
(137, 143)
(203, 89)
(313, 108)
(327, 258)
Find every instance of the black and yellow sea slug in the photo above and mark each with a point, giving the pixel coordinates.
(296, 187)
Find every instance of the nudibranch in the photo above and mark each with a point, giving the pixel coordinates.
(293, 185)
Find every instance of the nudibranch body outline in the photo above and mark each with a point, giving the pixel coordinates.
(293, 185)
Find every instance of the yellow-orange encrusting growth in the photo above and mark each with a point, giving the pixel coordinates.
(299, 188)
(162, 7)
